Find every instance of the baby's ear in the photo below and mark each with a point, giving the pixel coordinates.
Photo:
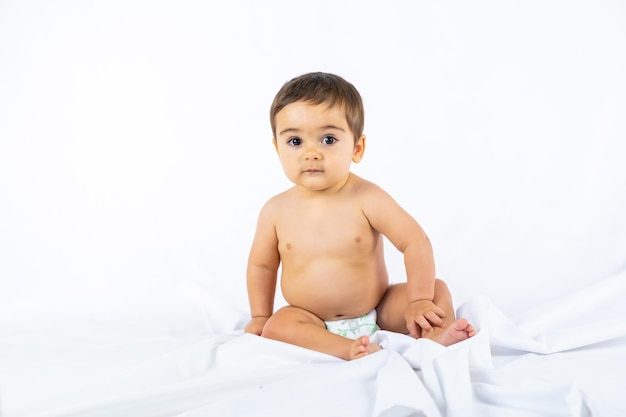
(275, 144)
(359, 150)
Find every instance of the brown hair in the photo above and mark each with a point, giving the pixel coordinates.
(317, 88)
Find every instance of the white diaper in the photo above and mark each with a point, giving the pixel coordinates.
(356, 327)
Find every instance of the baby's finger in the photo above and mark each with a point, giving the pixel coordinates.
(423, 323)
(434, 319)
(413, 329)
(438, 310)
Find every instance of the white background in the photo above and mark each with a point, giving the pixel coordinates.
(135, 148)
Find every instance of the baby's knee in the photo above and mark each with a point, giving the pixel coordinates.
(286, 322)
(278, 326)
(272, 328)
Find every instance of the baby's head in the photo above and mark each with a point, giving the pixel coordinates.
(322, 88)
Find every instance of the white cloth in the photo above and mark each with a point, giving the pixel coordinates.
(507, 370)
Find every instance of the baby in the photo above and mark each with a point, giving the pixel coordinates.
(327, 232)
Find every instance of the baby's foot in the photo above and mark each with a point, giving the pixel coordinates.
(362, 347)
(454, 333)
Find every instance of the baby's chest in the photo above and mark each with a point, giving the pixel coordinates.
(336, 232)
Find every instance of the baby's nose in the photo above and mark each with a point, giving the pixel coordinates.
(312, 154)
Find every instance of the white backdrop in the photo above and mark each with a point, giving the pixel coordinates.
(135, 148)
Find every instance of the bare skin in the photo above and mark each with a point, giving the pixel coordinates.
(303, 328)
(327, 233)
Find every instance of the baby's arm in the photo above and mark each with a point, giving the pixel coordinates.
(263, 265)
(421, 313)
(387, 217)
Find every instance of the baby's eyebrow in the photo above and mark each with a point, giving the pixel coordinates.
(289, 130)
(333, 127)
(296, 130)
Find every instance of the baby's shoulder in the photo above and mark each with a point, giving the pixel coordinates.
(372, 198)
(277, 202)
(366, 188)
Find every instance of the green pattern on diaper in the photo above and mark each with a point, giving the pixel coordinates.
(355, 327)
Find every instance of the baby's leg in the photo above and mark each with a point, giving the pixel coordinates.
(393, 306)
(303, 328)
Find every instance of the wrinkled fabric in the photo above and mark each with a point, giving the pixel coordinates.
(530, 368)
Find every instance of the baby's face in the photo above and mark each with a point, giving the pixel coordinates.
(315, 145)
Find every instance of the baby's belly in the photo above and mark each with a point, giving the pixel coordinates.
(345, 293)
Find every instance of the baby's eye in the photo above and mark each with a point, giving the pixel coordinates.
(295, 141)
(328, 140)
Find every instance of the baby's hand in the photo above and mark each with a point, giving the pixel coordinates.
(421, 316)
(255, 326)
